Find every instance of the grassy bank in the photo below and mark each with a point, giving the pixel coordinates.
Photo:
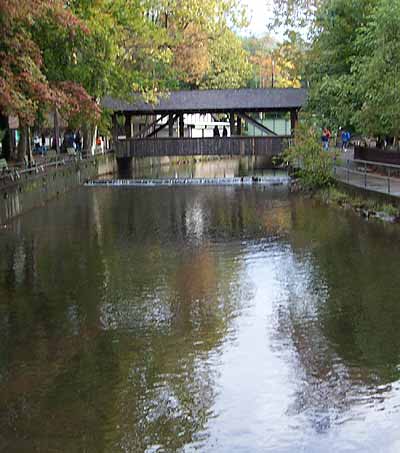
(364, 206)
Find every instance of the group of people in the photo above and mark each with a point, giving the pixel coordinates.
(72, 141)
(345, 137)
(217, 134)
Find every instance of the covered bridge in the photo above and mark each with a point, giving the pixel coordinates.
(143, 122)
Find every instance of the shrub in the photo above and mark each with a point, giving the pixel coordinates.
(312, 164)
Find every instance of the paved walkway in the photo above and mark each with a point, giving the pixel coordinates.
(358, 176)
(369, 181)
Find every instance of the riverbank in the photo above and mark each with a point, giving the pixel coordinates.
(370, 205)
(24, 191)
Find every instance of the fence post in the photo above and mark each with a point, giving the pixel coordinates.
(389, 180)
(348, 170)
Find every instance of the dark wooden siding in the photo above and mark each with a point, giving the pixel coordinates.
(377, 155)
(223, 146)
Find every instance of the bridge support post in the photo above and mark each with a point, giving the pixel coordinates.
(181, 126)
(293, 121)
(114, 129)
(239, 126)
(232, 123)
(128, 125)
(170, 125)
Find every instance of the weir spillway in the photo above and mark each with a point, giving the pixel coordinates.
(248, 180)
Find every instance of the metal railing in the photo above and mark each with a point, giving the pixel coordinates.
(17, 172)
(369, 175)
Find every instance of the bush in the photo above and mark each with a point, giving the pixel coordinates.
(312, 164)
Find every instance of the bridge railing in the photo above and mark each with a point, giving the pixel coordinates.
(218, 146)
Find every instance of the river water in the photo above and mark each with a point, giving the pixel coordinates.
(210, 319)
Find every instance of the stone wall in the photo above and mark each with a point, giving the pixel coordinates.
(31, 191)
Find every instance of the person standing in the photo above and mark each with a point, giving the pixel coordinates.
(326, 135)
(78, 141)
(345, 140)
(348, 138)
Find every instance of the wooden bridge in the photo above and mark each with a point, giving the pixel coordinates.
(217, 146)
(138, 125)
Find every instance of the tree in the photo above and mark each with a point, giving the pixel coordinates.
(202, 43)
(24, 87)
(333, 93)
(289, 62)
(64, 57)
(377, 72)
(119, 54)
(275, 65)
(314, 165)
(295, 15)
(229, 65)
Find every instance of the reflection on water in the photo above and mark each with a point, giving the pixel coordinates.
(215, 168)
(223, 319)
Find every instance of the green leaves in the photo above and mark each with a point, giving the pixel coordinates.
(64, 55)
(353, 66)
(313, 163)
(378, 71)
(229, 65)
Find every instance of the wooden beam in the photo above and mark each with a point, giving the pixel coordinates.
(160, 128)
(239, 126)
(181, 126)
(171, 121)
(293, 121)
(257, 124)
(232, 123)
(149, 127)
(128, 125)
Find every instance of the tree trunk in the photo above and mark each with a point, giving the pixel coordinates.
(29, 146)
(94, 136)
(89, 138)
(23, 144)
(57, 131)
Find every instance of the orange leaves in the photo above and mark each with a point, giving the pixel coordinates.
(23, 84)
(77, 101)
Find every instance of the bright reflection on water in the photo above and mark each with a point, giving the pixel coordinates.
(214, 168)
(211, 319)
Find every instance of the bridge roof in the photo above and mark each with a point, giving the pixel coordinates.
(210, 101)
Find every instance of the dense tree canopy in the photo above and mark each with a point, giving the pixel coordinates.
(23, 83)
(377, 72)
(275, 64)
(59, 56)
(352, 61)
(67, 55)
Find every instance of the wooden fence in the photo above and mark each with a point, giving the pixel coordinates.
(217, 146)
(377, 155)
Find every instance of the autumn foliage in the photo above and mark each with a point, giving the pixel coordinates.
(23, 86)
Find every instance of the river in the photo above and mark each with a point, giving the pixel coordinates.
(210, 319)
